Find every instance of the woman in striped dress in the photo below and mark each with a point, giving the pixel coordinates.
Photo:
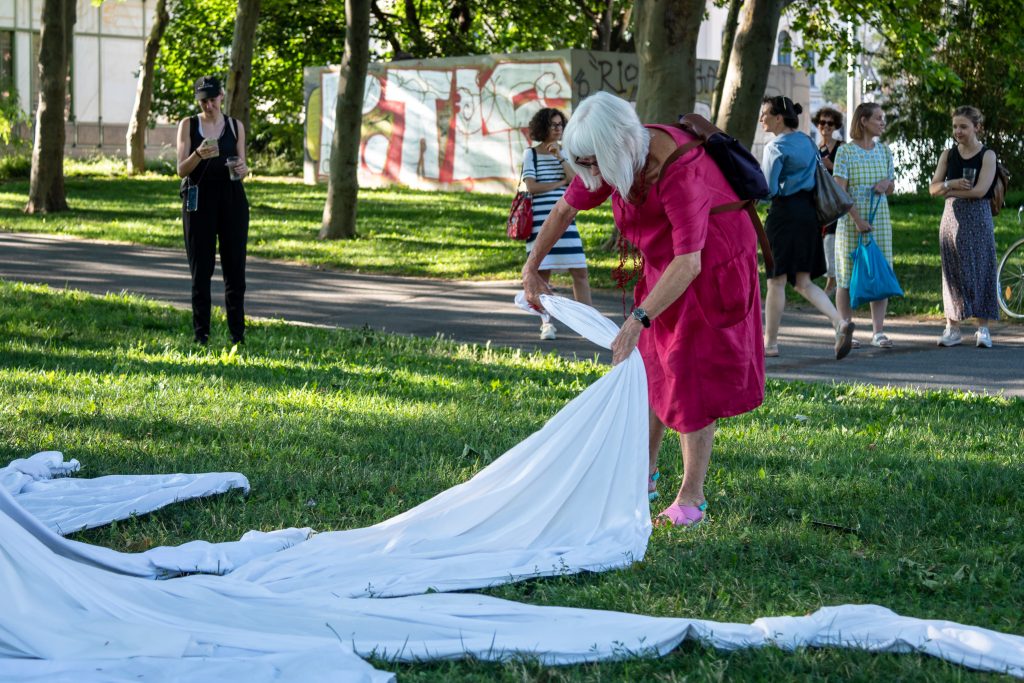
(547, 173)
(864, 169)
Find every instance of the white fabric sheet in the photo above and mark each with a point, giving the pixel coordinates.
(68, 505)
(67, 616)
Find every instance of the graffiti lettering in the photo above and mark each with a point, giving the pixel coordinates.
(436, 127)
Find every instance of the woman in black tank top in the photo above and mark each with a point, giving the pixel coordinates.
(965, 178)
(211, 160)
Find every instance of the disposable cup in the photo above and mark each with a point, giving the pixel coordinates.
(232, 164)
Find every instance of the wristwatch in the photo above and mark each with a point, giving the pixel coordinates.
(641, 315)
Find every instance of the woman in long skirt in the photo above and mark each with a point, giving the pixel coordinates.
(965, 177)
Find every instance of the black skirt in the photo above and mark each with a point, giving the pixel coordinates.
(795, 237)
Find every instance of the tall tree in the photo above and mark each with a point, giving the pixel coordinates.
(339, 220)
(46, 186)
(749, 64)
(242, 46)
(136, 137)
(666, 49)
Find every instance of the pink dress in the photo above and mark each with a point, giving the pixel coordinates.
(704, 354)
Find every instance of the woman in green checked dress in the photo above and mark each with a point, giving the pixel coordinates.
(864, 168)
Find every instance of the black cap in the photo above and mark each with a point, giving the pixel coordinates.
(207, 87)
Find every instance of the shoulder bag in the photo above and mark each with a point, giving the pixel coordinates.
(520, 217)
(830, 201)
(872, 278)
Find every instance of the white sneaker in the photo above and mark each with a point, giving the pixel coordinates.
(950, 337)
(982, 339)
(548, 332)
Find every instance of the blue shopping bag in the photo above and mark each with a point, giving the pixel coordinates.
(872, 278)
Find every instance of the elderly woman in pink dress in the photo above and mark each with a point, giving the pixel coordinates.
(697, 315)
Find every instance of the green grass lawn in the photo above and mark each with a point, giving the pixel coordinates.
(404, 232)
(343, 428)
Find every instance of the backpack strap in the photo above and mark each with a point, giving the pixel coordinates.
(697, 125)
(762, 236)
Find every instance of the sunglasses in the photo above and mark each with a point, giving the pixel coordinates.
(586, 164)
(830, 124)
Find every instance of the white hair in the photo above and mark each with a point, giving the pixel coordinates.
(606, 127)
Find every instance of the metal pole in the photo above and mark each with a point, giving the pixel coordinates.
(99, 70)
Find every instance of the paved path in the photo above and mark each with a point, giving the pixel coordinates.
(483, 312)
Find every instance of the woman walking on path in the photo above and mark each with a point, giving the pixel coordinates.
(547, 173)
(864, 169)
(697, 321)
(211, 154)
(965, 177)
(793, 230)
(828, 121)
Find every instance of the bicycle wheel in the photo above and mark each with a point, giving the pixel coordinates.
(1010, 280)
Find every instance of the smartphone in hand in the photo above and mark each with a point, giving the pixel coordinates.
(211, 143)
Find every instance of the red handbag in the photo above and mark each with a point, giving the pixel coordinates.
(520, 218)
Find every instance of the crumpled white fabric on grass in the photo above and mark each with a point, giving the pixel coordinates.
(67, 505)
(65, 618)
(51, 504)
(570, 497)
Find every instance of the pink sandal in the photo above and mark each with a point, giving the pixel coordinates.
(684, 515)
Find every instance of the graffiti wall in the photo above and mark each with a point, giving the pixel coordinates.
(461, 123)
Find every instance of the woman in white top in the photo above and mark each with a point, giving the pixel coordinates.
(547, 173)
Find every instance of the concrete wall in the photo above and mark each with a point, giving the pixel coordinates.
(461, 123)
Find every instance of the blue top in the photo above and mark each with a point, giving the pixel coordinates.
(788, 164)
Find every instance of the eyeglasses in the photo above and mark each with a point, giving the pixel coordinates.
(830, 124)
(586, 164)
(557, 124)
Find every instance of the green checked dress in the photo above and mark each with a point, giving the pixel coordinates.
(862, 169)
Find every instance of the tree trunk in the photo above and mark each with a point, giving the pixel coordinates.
(728, 36)
(136, 138)
(666, 49)
(237, 99)
(749, 64)
(606, 26)
(46, 187)
(339, 221)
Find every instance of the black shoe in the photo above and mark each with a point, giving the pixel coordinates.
(202, 340)
(237, 340)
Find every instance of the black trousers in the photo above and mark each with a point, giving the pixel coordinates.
(222, 217)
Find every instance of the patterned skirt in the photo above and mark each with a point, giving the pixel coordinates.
(968, 247)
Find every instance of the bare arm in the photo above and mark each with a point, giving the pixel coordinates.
(187, 161)
(241, 168)
(862, 225)
(676, 279)
(555, 225)
(533, 187)
(939, 186)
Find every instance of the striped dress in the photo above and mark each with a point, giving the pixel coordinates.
(568, 251)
